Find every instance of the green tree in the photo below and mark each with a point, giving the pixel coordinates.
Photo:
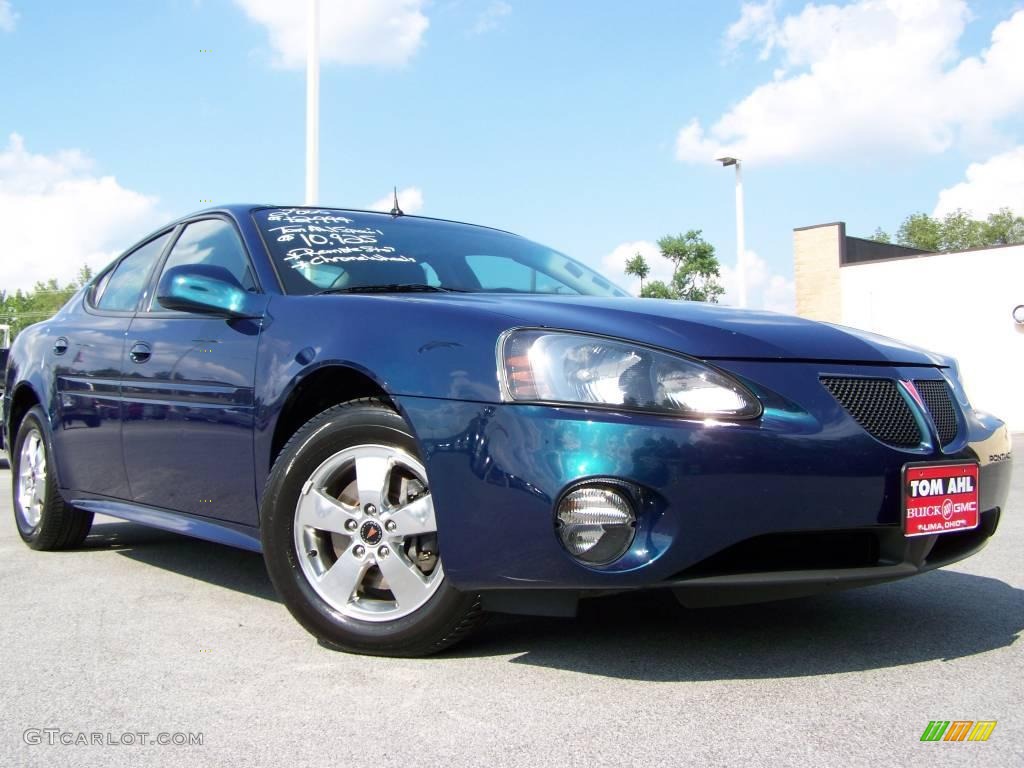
(1003, 228)
(695, 268)
(881, 236)
(42, 301)
(957, 231)
(919, 230)
(657, 289)
(960, 231)
(638, 267)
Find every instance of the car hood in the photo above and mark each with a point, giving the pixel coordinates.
(708, 331)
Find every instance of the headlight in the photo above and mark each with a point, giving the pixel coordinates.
(561, 367)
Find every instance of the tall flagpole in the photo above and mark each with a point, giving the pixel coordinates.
(312, 102)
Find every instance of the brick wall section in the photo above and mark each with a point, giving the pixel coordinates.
(816, 252)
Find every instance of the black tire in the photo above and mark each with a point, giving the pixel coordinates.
(60, 526)
(445, 619)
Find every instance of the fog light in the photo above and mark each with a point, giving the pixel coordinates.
(596, 524)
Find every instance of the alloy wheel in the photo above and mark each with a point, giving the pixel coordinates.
(365, 533)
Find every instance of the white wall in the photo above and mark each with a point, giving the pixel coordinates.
(959, 304)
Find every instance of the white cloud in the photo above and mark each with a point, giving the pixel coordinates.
(765, 289)
(7, 16)
(57, 214)
(375, 32)
(880, 76)
(410, 200)
(756, 22)
(491, 17)
(996, 183)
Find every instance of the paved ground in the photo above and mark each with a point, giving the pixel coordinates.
(147, 631)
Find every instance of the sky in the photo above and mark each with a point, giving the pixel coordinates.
(588, 125)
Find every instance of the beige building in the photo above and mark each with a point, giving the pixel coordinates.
(961, 303)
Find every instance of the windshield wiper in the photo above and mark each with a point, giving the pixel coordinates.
(390, 288)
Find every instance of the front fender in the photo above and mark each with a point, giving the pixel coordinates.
(407, 346)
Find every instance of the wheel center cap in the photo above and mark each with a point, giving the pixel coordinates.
(371, 532)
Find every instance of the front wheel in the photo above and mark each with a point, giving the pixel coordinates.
(350, 537)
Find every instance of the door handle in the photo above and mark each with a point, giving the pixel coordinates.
(140, 352)
(60, 346)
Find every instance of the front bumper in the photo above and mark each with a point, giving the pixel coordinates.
(918, 555)
(805, 469)
(898, 558)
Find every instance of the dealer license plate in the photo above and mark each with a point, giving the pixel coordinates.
(940, 498)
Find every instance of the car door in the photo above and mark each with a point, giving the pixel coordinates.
(188, 392)
(87, 359)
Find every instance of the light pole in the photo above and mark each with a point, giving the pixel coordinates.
(741, 276)
(312, 102)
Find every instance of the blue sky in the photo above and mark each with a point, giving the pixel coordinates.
(571, 122)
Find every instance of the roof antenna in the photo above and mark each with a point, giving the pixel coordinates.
(396, 211)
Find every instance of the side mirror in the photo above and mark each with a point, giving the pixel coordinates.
(205, 289)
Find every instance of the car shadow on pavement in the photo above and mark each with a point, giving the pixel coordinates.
(216, 564)
(647, 636)
(941, 615)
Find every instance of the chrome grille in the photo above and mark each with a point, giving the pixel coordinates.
(878, 406)
(936, 396)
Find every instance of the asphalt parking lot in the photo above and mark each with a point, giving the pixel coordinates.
(144, 631)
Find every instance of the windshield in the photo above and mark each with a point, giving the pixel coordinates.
(329, 250)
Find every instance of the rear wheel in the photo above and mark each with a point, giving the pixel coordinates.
(44, 520)
(350, 537)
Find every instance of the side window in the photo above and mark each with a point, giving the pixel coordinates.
(121, 289)
(500, 273)
(213, 242)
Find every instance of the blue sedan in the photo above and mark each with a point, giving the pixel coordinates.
(417, 421)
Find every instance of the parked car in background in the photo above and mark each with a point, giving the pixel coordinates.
(418, 420)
